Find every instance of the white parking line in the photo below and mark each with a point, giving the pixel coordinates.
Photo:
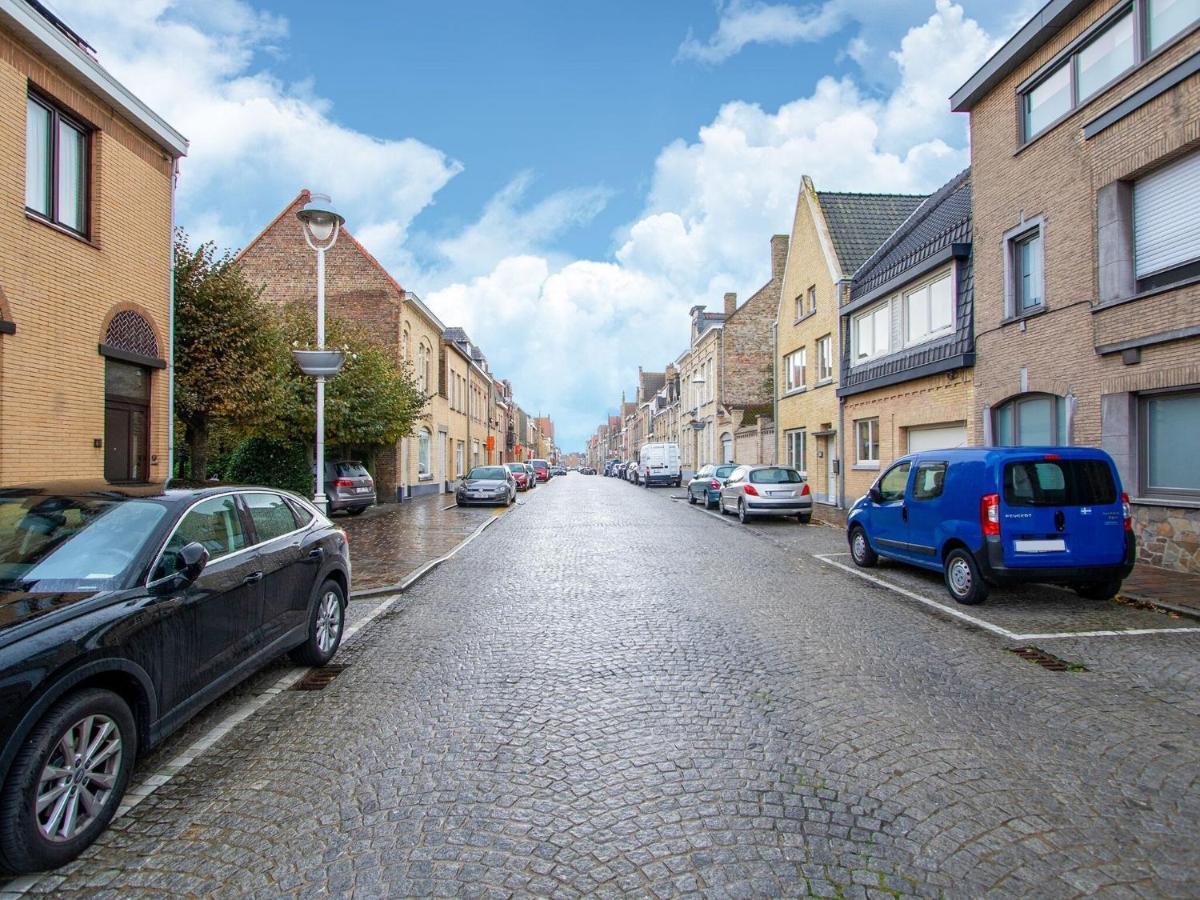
(989, 626)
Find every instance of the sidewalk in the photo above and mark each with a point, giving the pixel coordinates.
(389, 541)
(1177, 591)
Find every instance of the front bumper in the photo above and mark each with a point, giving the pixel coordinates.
(990, 559)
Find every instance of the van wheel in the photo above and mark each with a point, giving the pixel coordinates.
(67, 781)
(1098, 590)
(963, 579)
(860, 549)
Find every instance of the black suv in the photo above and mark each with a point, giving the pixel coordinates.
(123, 611)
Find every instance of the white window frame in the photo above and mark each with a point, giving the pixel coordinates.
(926, 286)
(789, 368)
(825, 359)
(872, 425)
(424, 454)
(460, 457)
(812, 298)
(790, 438)
(856, 329)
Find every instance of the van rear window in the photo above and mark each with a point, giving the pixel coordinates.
(1059, 482)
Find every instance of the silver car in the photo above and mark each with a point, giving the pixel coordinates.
(766, 491)
(487, 484)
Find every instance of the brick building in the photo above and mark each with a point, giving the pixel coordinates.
(906, 338)
(1085, 145)
(86, 207)
(832, 235)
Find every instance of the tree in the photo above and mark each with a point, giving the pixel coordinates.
(371, 402)
(229, 355)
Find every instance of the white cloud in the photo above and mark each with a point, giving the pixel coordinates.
(745, 22)
(252, 135)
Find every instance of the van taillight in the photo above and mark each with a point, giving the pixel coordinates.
(989, 514)
(1126, 511)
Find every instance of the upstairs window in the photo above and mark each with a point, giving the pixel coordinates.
(1048, 101)
(795, 369)
(1105, 57)
(873, 333)
(929, 310)
(56, 165)
(1167, 18)
(1166, 232)
(812, 299)
(825, 358)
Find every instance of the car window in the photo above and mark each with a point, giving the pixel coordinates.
(271, 516)
(704, 472)
(930, 480)
(487, 473)
(303, 516)
(1060, 482)
(214, 523)
(893, 482)
(351, 470)
(775, 476)
(737, 474)
(515, 467)
(723, 471)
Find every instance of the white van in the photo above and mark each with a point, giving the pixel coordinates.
(659, 464)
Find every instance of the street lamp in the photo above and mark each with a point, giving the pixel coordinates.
(321, 225)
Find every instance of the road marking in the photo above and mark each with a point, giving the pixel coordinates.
(989, 626)
(149, 783)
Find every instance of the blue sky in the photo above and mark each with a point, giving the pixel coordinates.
(604, 164)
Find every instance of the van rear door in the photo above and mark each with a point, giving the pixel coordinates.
(1060, 511)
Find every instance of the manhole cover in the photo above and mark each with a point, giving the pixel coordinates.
(319, 679)
(1047, 660)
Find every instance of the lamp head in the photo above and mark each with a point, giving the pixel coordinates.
(320, 218)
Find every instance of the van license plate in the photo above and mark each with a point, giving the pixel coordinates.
(1054, 546)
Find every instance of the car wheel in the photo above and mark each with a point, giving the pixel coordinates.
(1098, 590)
(67, 781)
(804, 518)
(709, 504)
(860, 549)
(691, 499)
(743, 516)
(963, 578)
(325, 624)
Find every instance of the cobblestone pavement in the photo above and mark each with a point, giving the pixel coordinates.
(611, 693)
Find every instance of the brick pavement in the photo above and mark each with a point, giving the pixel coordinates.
(615, 695)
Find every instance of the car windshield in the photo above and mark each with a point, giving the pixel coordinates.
(486, 473)
(1060, 482)
(775, 476)
(515, 467)
(351, 470)
(56, 543)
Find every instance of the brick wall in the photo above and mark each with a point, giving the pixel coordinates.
(746, 344)
(61, 291)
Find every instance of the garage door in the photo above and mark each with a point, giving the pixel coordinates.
(939, 437)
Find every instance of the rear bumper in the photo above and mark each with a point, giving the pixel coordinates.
(779, 507)
(990, 559)
(341, 504)
(660, 479)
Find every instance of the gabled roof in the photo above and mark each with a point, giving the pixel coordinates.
(651, 382)
(943, 219)
(859, 223)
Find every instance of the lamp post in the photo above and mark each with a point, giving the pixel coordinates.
(321, 225)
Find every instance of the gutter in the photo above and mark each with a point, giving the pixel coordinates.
(171, 330)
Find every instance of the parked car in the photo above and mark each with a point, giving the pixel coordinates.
(659, 464)
(610, 468)
(348, 486)
(992, 516)
(587, 470)
(533, 481)
(630, 472)
(487, 485)
(557, 470)
(541, 469)
(520, 475)
(123, 612)
(706, 484)
(766, 491)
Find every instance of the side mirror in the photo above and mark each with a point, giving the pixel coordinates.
(192, 559)
(875, 494)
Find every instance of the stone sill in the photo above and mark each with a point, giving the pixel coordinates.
(1159, 501)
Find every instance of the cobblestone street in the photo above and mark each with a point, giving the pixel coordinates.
(610, 692)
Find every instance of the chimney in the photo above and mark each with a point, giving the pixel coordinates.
(779, 250)
(730, 303)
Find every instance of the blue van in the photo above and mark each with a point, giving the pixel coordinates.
(1000, 515)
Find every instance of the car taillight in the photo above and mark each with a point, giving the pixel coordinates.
(1126, 511)
(804, 491)
(989, 514)
(345, 537)
(715, 485)
(343, 482)
(751, 490)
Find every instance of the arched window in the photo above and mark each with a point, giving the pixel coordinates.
(424, 452)
(1031, 420)
(404, 346)
(423, 354)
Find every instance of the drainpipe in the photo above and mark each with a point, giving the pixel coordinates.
(775, 389)
(171, 330)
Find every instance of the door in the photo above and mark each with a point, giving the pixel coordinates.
(219, 618)
(126, 422)
(924, 509)
(831, 475)
(287, 581)
(445, 462)
(888, 529)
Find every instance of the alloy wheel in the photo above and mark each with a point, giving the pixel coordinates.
(329, 622)
(77, 781)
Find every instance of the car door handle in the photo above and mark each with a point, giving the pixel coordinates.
(253, 578)
(316, 554)
(904, 513)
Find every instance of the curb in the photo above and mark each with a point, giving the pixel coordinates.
(1190, 611)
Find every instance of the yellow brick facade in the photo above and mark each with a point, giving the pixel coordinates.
(59, 291)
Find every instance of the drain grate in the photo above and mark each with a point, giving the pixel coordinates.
(1047, 660)
(319, 679)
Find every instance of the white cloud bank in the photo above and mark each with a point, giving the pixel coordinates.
(568, 333)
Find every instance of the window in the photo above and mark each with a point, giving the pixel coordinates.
(929, 310)
(423, 367)
(796, 444)
(776, 475)
(475, 453)
(56, 165)
(726, 448)
(799, 307)
(824, 359)
(215, 523)
(460, 454)
(812, 299)
(929, 481)
(795, 369)
(1024, 288)
(126, 422)
(1047, 102)
(866, 433)
(1166, 235)
(1170, 429)
(1167, 18)
(1031, 420)
(424, 448)
(271, 516)
(872, 333)
(1066, 482)
(1105, 57)
(893, 483)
